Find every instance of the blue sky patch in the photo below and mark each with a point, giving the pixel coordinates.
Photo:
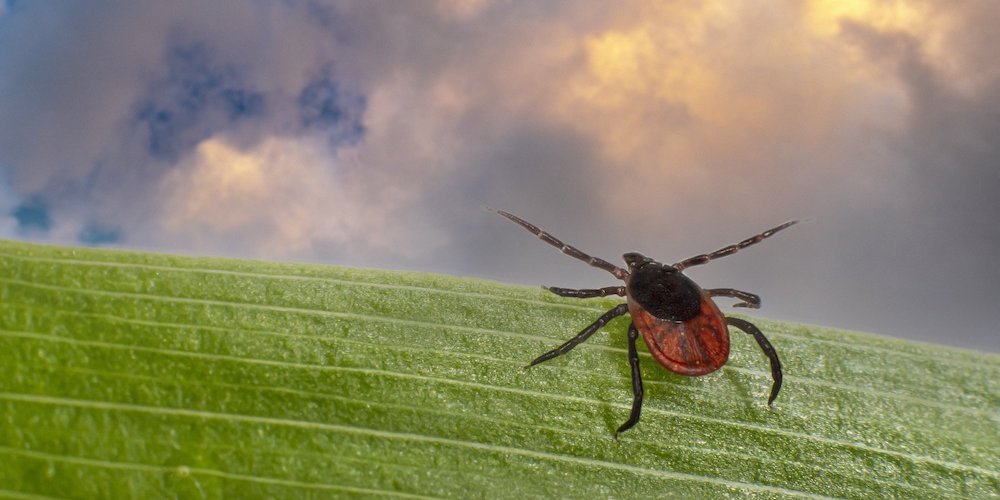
(32, 215)
(9, 5)
(198, 97)
(325, 105)
(96, 234)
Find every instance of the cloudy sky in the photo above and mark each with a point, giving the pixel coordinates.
(370, 133)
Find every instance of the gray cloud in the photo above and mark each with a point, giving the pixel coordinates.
(943, 239)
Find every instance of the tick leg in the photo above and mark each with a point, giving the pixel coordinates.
(750, 300)
(583, 335)
(749, 328)
(587, 292)
(564, 248)
(731, 249)
(633, 361)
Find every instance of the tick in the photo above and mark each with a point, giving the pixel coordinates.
(680, 323)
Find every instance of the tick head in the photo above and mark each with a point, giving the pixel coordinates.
(635, 260)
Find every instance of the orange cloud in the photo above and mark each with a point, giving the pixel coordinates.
(824, 17)
(695, 93)
(282, 197)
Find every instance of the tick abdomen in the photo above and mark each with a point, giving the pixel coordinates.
(694, 347)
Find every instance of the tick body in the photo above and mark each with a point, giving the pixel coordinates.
(679, 321)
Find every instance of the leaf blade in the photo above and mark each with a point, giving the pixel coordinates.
(215, 376)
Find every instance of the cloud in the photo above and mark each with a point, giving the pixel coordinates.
(281, 198)
(947, 231)
(92, 133)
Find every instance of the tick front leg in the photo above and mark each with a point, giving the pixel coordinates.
(583, 335)
(731, 249)
(633, 361)
(587, 293)
(750, 300)
(564, 248)
(765, 346)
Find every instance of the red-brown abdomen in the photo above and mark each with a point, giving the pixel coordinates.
(697, 346)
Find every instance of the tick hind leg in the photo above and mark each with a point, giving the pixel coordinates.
(750, 300)
(765, 346)
(582, 336)
(633, 361)
(587, 293)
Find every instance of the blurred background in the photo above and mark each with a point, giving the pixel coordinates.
(369, 133)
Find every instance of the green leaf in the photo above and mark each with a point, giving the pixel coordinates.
(134, 375)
